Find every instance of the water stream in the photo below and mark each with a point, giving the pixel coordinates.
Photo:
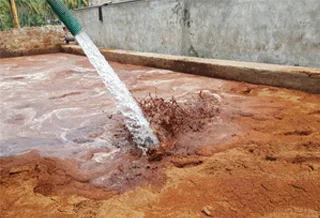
(133, 117)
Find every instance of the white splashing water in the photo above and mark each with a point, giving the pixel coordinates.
(134, 119)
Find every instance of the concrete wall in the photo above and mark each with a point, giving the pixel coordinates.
(269, 31)
(31, 40)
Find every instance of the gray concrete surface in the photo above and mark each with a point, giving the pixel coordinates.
(268, 31)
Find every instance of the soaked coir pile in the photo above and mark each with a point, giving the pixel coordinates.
(169, 118)
(274, 162)
(255, 152)
(127, 169)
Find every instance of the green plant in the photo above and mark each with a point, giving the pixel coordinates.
(5, 15)
(32, 12)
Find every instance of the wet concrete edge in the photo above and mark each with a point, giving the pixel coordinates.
(11, 54)
(298, 78)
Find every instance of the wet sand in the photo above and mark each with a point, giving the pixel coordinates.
(65, 155)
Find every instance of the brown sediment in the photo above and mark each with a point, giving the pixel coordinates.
(51, 176)
(170, 118)
(257, 155)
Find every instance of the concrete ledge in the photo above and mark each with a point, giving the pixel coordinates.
(11, 54)
(30, 41)
(299, 78)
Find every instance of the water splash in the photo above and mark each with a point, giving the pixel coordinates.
(134, 119)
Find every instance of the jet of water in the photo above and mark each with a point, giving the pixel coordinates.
(134, 119)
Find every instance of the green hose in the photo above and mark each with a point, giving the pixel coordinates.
(65, 16)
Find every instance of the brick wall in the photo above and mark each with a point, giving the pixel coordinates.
(30, 41)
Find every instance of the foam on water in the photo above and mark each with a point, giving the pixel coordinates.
(133, 117)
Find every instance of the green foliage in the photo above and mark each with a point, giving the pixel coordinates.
(5, 15)
(32, 12)
(71, 4)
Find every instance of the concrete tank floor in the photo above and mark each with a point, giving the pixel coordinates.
(259, 156)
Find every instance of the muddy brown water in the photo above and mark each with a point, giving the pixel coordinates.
(255, 153)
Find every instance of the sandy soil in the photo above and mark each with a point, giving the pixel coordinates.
(258, 155)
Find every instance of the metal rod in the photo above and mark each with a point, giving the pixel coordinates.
(106, 4)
